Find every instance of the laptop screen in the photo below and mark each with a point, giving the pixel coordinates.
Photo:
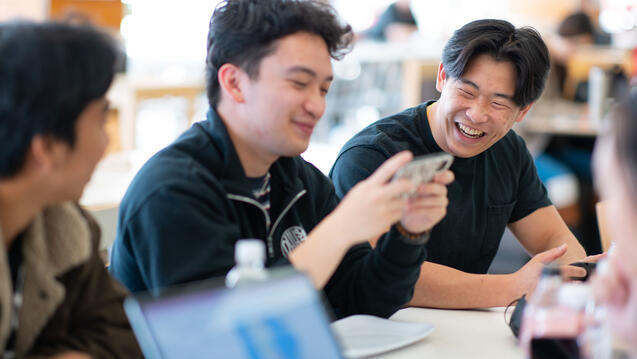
(280, 318)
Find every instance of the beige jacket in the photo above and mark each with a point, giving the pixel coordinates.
(69, 300)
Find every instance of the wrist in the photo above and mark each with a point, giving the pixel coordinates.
(412, 237)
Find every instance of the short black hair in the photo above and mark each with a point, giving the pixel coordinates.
(49, 72)
(523, 47)
(243, 32)
(576, 24)
(624, 120)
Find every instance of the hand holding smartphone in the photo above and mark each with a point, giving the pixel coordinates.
(422, 169)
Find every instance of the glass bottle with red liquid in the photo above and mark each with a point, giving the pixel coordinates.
(561, 321)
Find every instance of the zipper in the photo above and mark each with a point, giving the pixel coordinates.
(270, 231)
(278, 220)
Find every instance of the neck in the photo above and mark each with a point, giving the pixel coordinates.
(255, 161)
(19, 204)
(433, 117)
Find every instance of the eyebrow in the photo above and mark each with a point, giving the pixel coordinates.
(306, 70)
(497, 94)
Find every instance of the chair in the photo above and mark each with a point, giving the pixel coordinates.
(602, 223)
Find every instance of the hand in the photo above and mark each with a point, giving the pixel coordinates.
(71, 355)
(373, 205)
(429, 206)
(526, 278)
(570, 272)
(616, 289)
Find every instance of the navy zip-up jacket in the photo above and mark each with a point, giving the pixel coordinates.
(190, 203)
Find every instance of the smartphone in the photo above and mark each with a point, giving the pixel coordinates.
(422, 169)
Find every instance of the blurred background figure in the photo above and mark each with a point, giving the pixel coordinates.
(616, 180)
(396, 23)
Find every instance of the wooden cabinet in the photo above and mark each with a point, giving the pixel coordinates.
(107, 13)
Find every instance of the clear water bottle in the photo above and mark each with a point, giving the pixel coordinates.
(249, 256)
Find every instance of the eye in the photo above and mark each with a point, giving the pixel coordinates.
(324, 91)
(465, 93)
(299, 84)
(500, 105)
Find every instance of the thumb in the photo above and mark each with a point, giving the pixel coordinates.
(552, 254)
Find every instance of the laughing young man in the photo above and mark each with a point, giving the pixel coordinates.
(490, 75)
(238, 174)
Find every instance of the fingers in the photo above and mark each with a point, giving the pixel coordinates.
(444, 178)
(431, 189)
(595, 258)
(570, 272)
(552, 254)
(385, 172)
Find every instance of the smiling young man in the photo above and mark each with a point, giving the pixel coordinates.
(56, 298)
(238, 174)
(490, 75)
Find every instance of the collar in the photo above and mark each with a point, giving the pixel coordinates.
(57, 240)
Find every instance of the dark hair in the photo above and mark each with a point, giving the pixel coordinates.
(49, 73)
(243, 32)
(575, 24)
(624, 120)
(522, 47)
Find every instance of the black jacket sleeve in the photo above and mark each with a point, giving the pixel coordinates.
(376, 281)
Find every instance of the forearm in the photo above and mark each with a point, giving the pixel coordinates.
(575, 251)
(444, 287)
(322, 251)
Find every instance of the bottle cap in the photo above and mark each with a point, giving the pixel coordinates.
(249, 251)
(551, 271)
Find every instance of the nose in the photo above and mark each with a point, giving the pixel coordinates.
(315, 104)
(478, 112)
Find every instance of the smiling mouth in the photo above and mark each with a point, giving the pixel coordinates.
(468, 131)
(304, 127)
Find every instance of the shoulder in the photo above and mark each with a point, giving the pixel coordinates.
(391, 134)
(183, 169)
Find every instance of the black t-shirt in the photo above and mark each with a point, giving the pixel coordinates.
(492, 189)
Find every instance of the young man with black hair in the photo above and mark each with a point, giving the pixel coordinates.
(56, 298)
(238, 174)
(490, 75)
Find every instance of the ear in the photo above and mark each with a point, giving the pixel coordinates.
(523, 111)
(46, 153)
(230, 80)
(441, 78)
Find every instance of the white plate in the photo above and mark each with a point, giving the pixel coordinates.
(365, 335)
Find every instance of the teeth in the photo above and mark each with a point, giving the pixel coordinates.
(470, 131)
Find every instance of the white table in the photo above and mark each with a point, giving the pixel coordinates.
(459, 334)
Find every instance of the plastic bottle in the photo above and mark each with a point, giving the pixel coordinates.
(249, 256)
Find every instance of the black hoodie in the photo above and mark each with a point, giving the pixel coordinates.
(191, 202)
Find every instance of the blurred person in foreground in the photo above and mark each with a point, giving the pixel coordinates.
(57, 299)
(615, 170)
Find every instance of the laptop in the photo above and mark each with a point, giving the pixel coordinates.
(282, 317)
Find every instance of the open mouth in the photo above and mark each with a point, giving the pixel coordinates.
(468, 131)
